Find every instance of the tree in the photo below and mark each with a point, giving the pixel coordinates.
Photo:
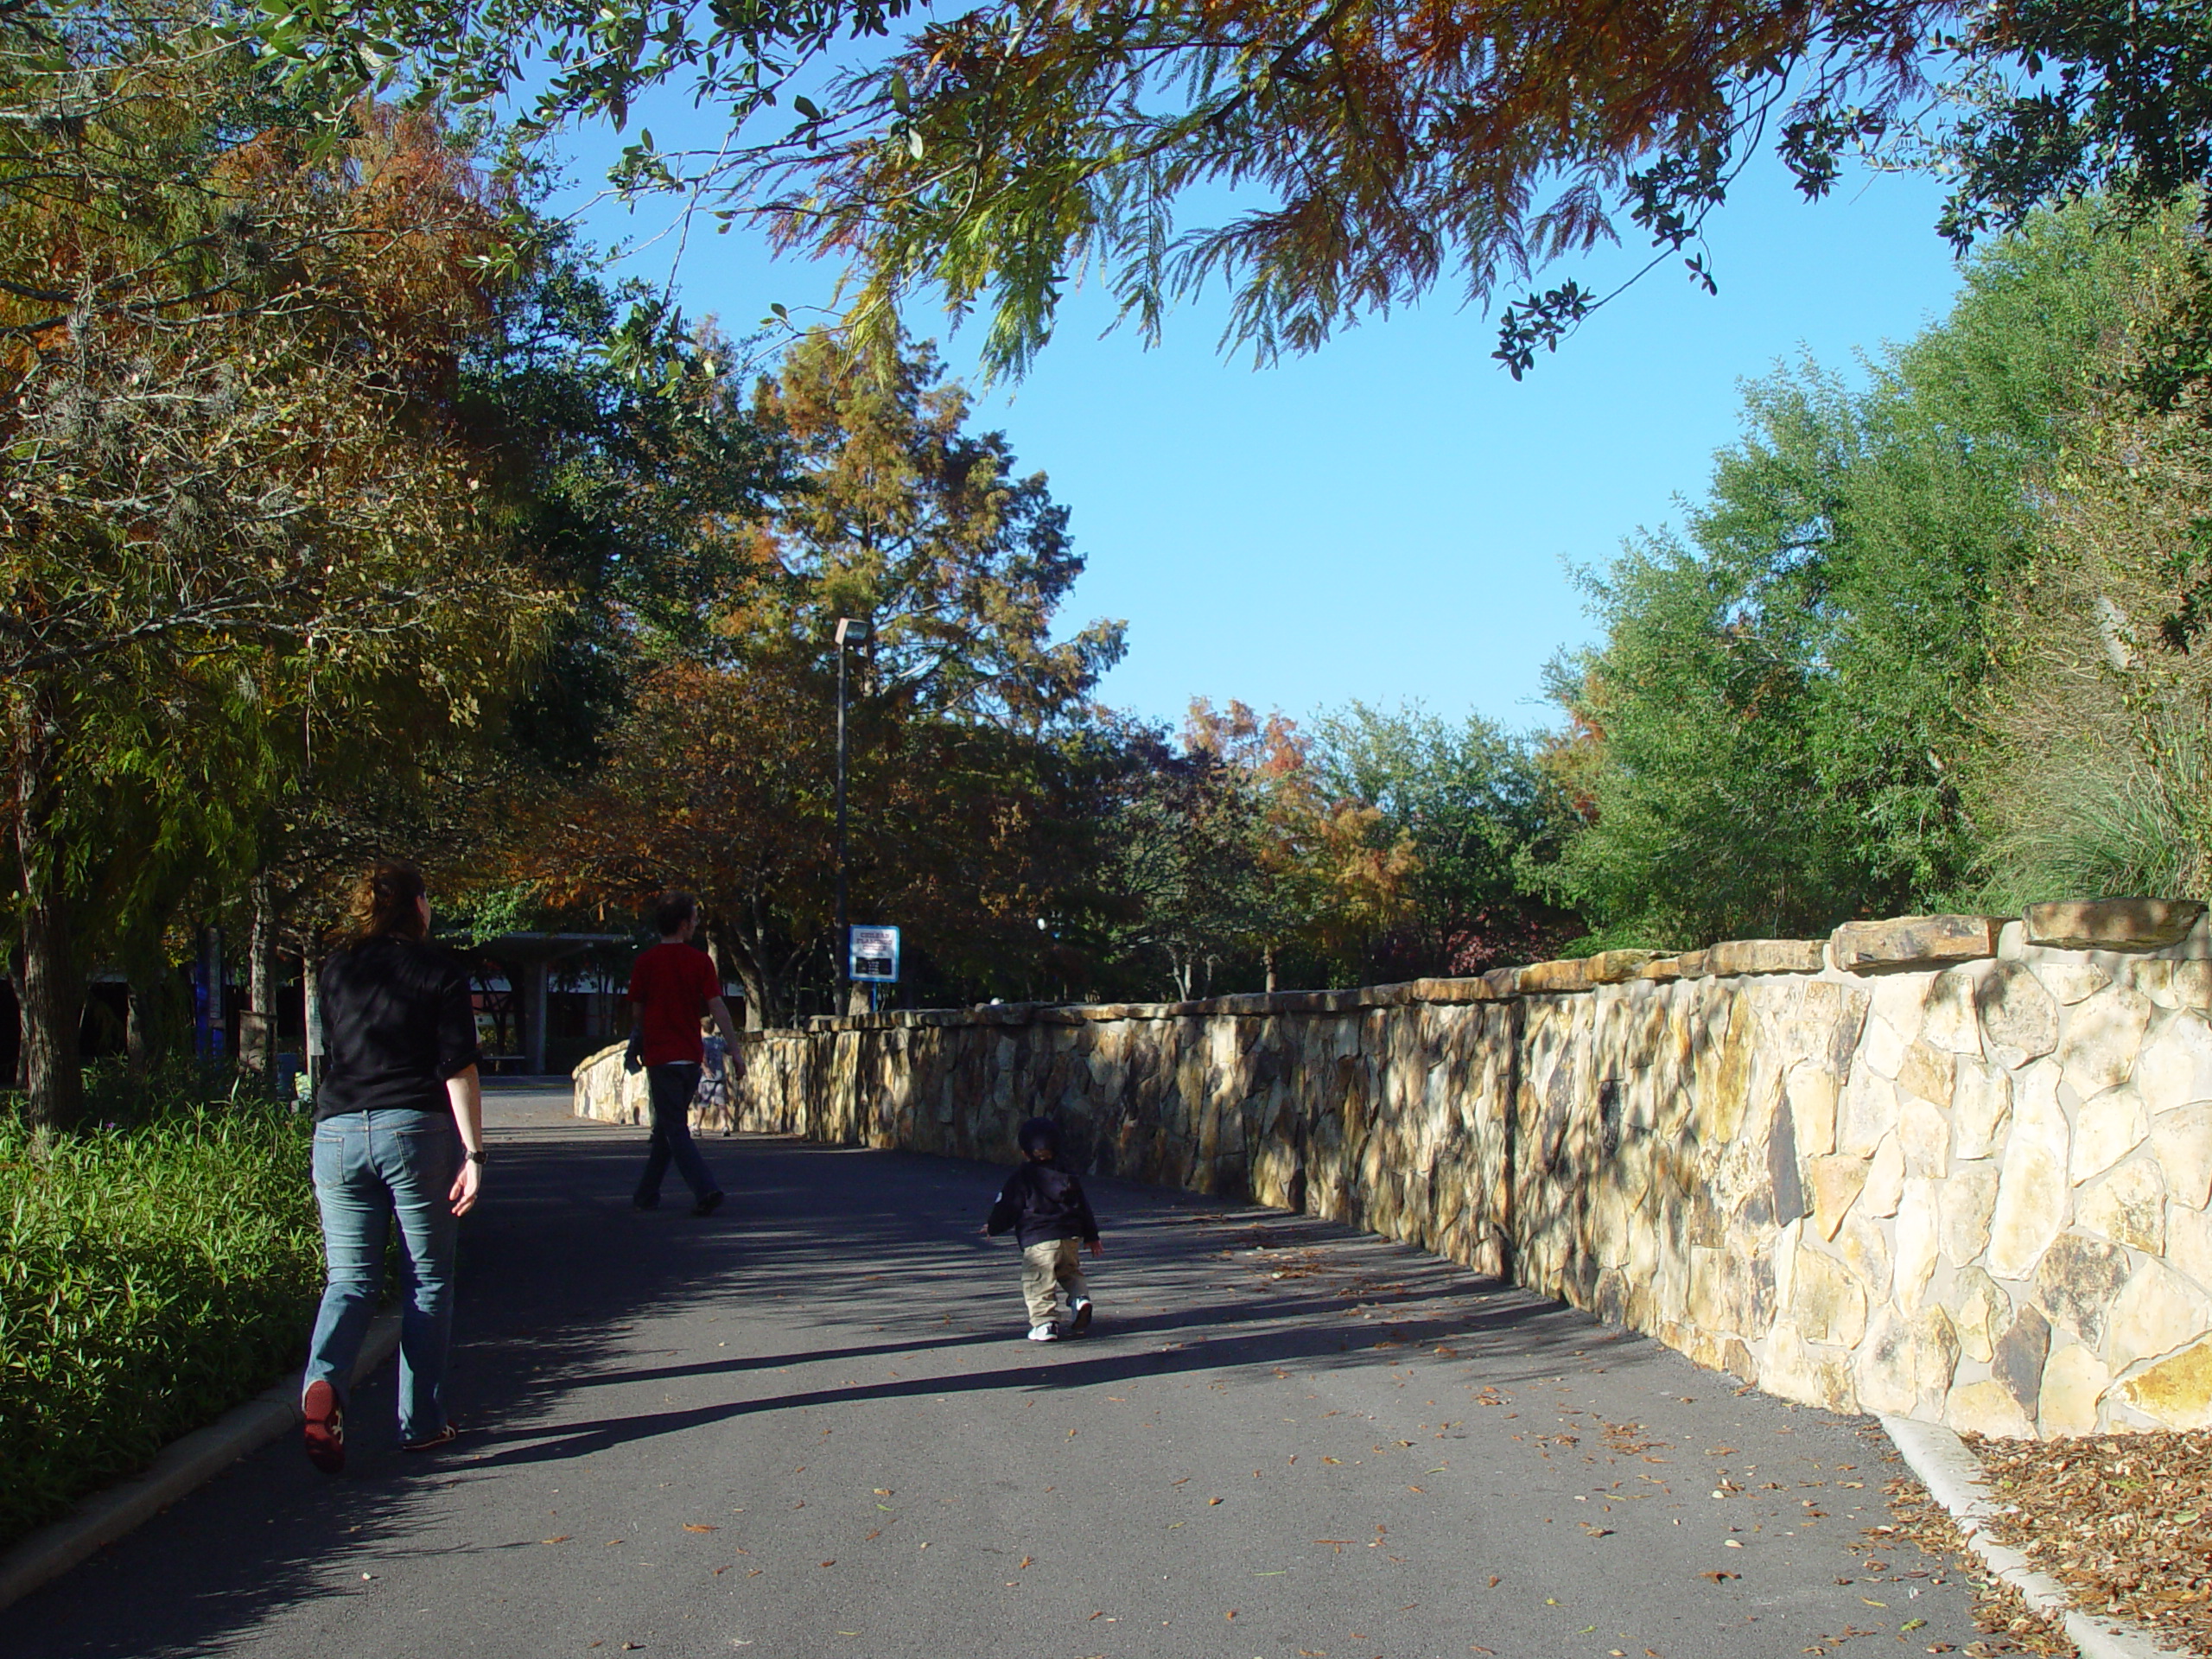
(1465, 811)
(1778, 714)
(231, 509)
(969, 720)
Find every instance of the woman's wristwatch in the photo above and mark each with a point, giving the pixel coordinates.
(476, 1157)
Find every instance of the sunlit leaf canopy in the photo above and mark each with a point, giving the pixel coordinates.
(1319, 159)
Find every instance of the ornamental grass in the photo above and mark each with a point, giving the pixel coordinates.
(153, 1272)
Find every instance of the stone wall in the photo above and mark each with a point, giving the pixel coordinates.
(1949, 1167)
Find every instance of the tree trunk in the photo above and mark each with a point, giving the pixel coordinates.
(146, 1035)
(23, 1020)
(258, 1019)
(53, 1009)
(51, 989)
(1268, 957)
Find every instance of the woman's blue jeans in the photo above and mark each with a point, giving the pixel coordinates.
(369, 1168)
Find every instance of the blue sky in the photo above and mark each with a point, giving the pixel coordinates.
(1394, 518)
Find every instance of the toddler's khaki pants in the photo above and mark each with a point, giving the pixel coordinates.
(1047, 1265)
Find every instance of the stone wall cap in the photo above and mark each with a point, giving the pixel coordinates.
(1616, 967)
(1691, 964)
(1914, 942)
(1480, 989)
(1548, 978)
(1661, 969)
(2112, 924)
(1734, 956)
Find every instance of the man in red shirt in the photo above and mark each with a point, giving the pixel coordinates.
(673, 986)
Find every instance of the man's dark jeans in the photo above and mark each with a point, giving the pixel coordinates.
(672, 1088)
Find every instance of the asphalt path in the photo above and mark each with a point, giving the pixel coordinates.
(809, 1427)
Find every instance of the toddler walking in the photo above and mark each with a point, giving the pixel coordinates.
(1042, 1206)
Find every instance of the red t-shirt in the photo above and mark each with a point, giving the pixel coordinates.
(674, 983)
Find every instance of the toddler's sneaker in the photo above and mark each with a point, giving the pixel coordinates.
(1044, 1333)
(1080, 1325)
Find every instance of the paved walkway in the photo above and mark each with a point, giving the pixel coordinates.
(807, 1428)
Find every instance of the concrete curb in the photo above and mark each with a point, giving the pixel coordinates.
(1954, 1479)
(182, 1465)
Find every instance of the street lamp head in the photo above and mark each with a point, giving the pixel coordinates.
(854, 630)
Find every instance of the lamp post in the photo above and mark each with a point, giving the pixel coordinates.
(851, 630)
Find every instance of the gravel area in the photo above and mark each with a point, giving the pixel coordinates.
(2123, 1520)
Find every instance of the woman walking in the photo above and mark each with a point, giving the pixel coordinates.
(399, 1134)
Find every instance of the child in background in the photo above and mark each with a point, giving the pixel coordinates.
(1042, 1205)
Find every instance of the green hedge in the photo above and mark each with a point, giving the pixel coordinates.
(151, 1277)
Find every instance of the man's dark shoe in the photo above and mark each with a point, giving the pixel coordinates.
(708, 1205)
(326, 1428)
(445, 1436)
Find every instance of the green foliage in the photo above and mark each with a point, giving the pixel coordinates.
(152, 1276)
(1476, 809)
(1775, 722)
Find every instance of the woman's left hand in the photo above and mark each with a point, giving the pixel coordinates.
(465, 1185)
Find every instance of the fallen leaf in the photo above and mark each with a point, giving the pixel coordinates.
(1718, 1577)
(694, 1526)
(1416, 1489)
(872, 1537)
(829, 1563)
(557, 1538)
(1495, 1580)
(1912, 1624)
(1730, 1543)
(1870, 1602)
(1332, 1459)
(1212, 1502)
(1025, 1562)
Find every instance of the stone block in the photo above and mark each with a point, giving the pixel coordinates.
(2074, 1382)
(2016, 1013)
(2103, 1036)
(1885, 1050)
(1690, 964)
(1868, 1111)
(1832, 1016)
(1904, 1365)
(1828, 1303)
(2127, 1206)
(2032, 1191)
(1809, 1091)
(2069, 983)
(2077, 1282)
(1916, 1245)
(2018, 1359)
(1792, 1369)
(1969, 1197)
(2188, 1243)
(1987, 1408)
(1835, 1182)
(1980, 1310)
(1927, 1073)
(1662, 970)
(2106, 1129)
(1885, 1179)
(1616, 966)
(2175, 1392)
(1866, 1245)
(1451, 991)
(1981, 1109)
(2112, 924)
(1951, 1022)
(1925, 1136)
(1912, 941)
(1548, 978)
(1736, 957)
(2175, 1068)
(2157, 1312)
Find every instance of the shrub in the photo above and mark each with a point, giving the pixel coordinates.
(151, 1277)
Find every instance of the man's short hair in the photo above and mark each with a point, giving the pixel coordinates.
(673, 910)
(1039, 1133)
